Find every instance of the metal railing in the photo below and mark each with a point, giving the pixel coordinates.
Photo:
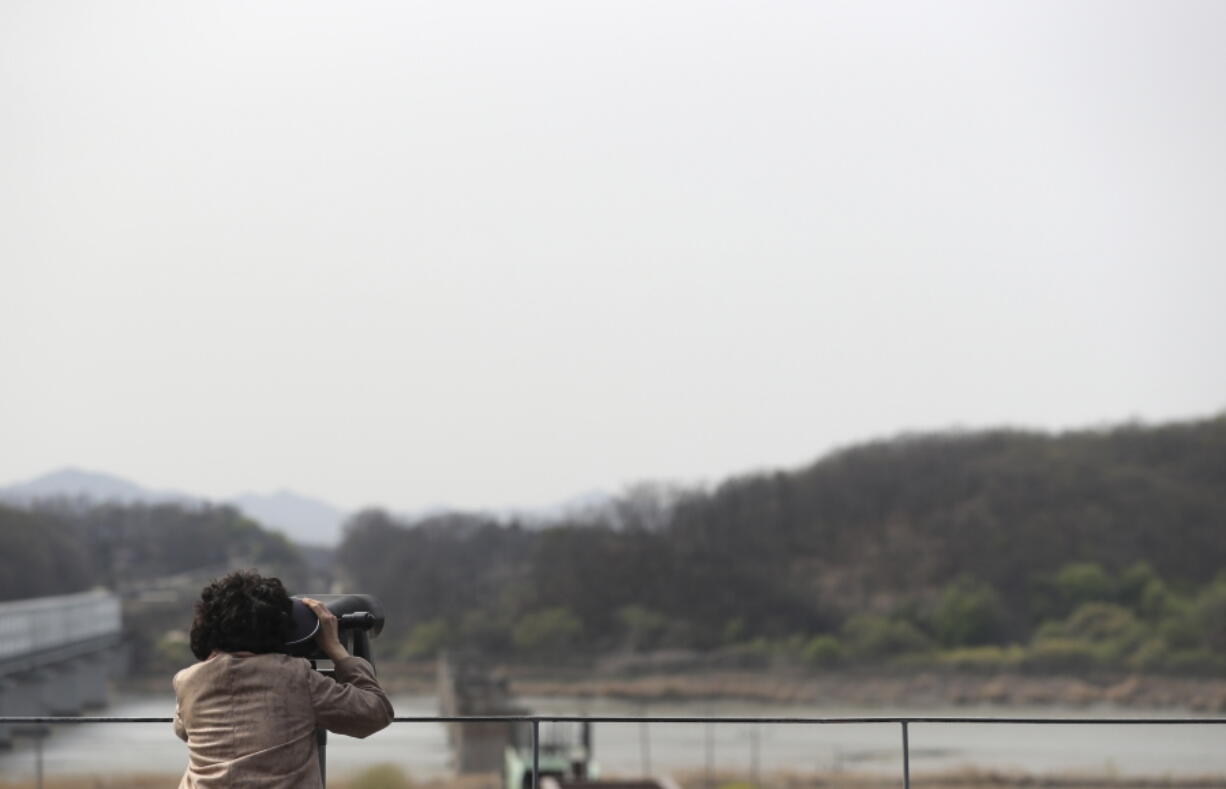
(903, 721)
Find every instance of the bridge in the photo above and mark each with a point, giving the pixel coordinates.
(56, 655)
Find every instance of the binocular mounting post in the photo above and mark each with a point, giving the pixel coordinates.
(359, 624)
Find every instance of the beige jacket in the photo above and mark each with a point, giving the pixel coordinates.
(250, 721)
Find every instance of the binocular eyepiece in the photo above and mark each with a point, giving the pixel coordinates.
(362, 620)
(359, 616)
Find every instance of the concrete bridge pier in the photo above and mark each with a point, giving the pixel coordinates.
(6, 730)
(61, 689)
(20, 694)
(60, 696)
(80, 683)
(92, 678)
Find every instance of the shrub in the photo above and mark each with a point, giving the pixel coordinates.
(1156, 600)
(1134, 584)
(644, 628)
(551, 629)
(1108, 631)
(484, 631)
(969, 613)
(1195, 661)
(1083, 582)
(1111, 628)
(823, 650)
(1151, 655)
(987, 659)
(1179, 628)
(734, 630)
(1061, 654)
(1209, 613)
(872, 635)
(427, 639)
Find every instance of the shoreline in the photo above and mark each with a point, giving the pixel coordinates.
(860, 688)
(918, 690)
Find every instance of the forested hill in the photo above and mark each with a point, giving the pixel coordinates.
(875, 524)
(63, 546)
(915, 544)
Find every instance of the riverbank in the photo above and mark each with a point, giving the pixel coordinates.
(915, 690)
(885, 688)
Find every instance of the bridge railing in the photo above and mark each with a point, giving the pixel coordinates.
(43, 623)
(534, 721)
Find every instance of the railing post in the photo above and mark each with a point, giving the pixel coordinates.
(709, 757)
(906, 757)
(536, 754)
(38, 756)
(755, 743)
(321, 737)
(644, 748)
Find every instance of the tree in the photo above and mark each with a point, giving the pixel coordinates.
(1209, 612)
(643, 627)
(969, 613)
(553, 630)
(40, 555)
(875, 636)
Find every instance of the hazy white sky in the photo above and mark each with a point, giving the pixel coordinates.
(502, 253)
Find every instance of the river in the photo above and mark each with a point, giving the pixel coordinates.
(421, 748)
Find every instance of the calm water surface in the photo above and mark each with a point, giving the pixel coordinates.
(421, 748)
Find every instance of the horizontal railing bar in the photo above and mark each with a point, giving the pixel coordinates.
(29, 719)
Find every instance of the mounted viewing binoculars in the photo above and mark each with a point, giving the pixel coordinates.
(359, 619)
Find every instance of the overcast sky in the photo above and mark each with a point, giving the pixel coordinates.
(496, 254)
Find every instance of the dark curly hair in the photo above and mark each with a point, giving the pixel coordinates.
(242, 612)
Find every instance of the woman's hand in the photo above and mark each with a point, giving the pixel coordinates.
(328, 638)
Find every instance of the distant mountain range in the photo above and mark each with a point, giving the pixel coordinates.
(303, 519)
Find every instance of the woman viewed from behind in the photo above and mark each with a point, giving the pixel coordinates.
(247, 711)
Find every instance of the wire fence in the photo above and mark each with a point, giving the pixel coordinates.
(535, 721)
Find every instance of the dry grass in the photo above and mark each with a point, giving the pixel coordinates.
(954, 779)
(379, 778)
(90, 782)
(372, 779)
